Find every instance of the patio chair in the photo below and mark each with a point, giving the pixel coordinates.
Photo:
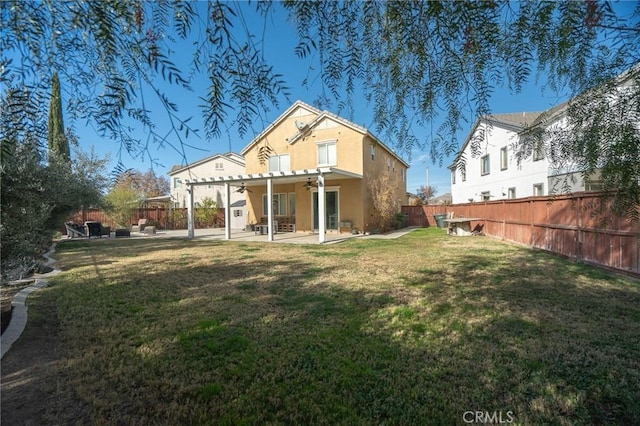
(140, 226)
(74, 230)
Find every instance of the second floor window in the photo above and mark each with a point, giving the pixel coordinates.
(485, 165)
(327, 154)
(279, 163)
(538, 189)
(219, 166)
(176, 182)
(504, 162)
(538, 151)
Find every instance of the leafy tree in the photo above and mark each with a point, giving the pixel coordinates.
(425, 193)
(146, 184)
(57, 140)
(385, 204)
(206, 212)
(36, 197)
(121, 204)
(412, 60)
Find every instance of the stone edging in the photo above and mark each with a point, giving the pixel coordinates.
(19, 312)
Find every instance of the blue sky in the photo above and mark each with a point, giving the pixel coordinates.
(279, 42)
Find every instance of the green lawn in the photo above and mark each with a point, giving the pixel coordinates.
(417, 330)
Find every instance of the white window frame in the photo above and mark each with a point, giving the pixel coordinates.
(281, 166)
(538, 189)
(219, 166)
(373, 152)
(279, 207)
(538, 151)
(176, 182)
(331, 150)
(485, 170)
(511, 193)
(504, 158)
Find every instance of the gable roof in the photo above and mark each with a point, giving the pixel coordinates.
(320, 115)
(229, 156)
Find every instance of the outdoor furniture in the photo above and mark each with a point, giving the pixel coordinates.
(140, 226)
(74, 230)
(105, 230)
(93, 229)
(122, 233)
(344, 225)
(149, 230)
(461, 226)
(263, 228)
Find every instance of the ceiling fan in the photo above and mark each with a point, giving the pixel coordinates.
(310, 184)
(243, 188)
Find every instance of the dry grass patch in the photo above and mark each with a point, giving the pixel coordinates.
(408, 331)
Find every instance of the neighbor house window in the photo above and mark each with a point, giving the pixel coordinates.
(538, 151)
(388, 163)
(453, 176)
(463, 174)
(485, 165)
(327, 154)
(538, 189)
(279, 163)
(219, 166)
(404, 174)
(373, 152)
(504, 162)
(176, 182)
(279, 204)
(593, 185)
(485, 196)
(511, 193)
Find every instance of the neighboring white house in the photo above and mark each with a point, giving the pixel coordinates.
(492, 172)
(218, 165)
(487, 167)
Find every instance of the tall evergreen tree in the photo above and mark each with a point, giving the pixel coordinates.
(57, 141)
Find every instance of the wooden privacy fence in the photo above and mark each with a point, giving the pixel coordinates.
(163, 218)
(579, 226)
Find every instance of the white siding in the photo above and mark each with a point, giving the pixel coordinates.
(497, 181)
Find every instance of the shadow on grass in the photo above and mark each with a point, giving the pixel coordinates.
(282, 340)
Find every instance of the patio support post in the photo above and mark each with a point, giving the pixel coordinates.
(227, 211)
(190, 212)
(322, 210)
(270, 209)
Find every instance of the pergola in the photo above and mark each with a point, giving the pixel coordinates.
(267, 178)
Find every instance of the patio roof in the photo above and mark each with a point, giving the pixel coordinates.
(281, 177)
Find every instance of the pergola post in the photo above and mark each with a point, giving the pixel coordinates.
(322, 210)
(227, 211)
(270, 209)
(190, 212)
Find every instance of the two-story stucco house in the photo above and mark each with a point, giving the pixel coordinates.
(310, 171)
(214, 165)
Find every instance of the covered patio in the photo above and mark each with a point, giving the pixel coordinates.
(269, 179)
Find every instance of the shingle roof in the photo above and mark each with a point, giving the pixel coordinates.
(518, 119)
